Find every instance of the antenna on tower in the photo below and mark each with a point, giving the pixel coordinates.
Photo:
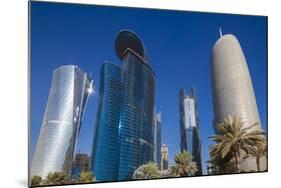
(220, 32)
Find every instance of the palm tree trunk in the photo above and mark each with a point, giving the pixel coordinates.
(237, 161)
(258, 163)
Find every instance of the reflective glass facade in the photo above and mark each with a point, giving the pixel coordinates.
(157, 139)
(189, 127)
(136, 119)
(105, 147)
(55, 147)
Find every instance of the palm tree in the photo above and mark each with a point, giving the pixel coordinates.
(147, 171)
(86, 177)
(56, 178)
(233, 137)
(36, 180)
(259, 151)
(223, 166)
(184, 165)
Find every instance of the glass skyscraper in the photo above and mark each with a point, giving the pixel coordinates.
(105, 154)
(136, 117)
(189, 127)
(60, 127)
(233, 92)
(157, 139)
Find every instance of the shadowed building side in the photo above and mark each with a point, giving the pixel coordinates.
(233, 92)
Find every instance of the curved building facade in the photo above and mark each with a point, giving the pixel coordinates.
(105, 147)
(68, 96)
(136, 118)
(232, 88)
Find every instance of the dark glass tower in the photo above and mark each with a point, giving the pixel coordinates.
(105, 156)
(136, 118)
(189, 127)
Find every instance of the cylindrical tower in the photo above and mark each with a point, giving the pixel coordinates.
(68, 96)
(232, 88)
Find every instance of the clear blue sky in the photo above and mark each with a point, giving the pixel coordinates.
(179, 45)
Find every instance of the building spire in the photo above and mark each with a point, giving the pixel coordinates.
(220, 32)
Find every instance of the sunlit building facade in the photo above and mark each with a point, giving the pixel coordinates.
(189, 127)
(105, 154)
(164, 158)
(60, 127)
(136, 117)
(233, 92)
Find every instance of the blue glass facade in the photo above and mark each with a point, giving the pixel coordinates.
(136, 120)
(189, 127)
(105, 156)
(124, 128)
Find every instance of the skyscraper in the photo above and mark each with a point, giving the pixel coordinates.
(60, 127)
(233, 92)
(82, 163)
(157, 139)
(136, 118)
(105, 154)
(164, 157)
(189, 127)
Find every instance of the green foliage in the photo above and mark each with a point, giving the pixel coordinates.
(259, 151)
(232, 138)
(147, 171)
(184, 166)
(36, 180)
(223, 166)
(86, 177)
(57, 178)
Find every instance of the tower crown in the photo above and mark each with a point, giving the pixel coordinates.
(127, 39)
